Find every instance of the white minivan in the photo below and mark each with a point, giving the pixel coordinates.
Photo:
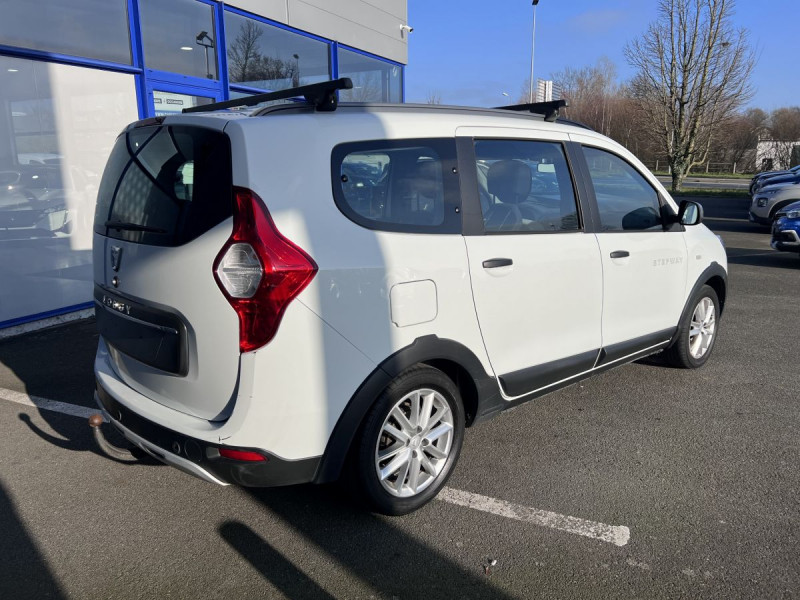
(308, 287)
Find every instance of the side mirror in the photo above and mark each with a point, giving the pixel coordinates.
(690, 213)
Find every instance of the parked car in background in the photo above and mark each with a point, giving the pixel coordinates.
(786, 229)
(40, 200)
(785, 178)
(764, 178)
(770, 199)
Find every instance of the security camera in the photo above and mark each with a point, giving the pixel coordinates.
(406, 28)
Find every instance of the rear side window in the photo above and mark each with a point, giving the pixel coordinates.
(407, 185)
(165, 185)
(525, 186)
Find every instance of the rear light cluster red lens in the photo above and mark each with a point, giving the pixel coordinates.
(259, 271)
(243, 455)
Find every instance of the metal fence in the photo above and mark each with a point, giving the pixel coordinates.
(661, 165)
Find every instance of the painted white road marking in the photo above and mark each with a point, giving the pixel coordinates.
(613, 534)
(45, 404)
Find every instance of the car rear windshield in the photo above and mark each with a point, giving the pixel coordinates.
(165, 185)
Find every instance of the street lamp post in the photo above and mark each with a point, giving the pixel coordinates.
(533, 45)
(204, 40)
(296, 76)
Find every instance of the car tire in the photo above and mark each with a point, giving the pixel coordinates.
(697, 331)
(410, 442)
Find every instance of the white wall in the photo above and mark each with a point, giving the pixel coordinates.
(779, 152)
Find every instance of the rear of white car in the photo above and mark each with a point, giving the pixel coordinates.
(246, 343)
(280, 294)
(191, 277)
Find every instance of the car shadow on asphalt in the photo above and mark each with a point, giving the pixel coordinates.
(370, 548)
(25, 573)
(57, 364)
(763, 258)
(734, 226)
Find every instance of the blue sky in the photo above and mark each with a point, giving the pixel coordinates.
(470, 51)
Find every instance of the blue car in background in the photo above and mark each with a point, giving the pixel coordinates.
(786, 229)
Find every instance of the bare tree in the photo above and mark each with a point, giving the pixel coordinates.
(247, 63)
(693, 71)
(592, 92)
(433, 97)
(737, 139)
(243, 52)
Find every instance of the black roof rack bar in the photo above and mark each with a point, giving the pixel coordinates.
(321, 95)
(548, 109)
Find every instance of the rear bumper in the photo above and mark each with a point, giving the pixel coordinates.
(201, 458)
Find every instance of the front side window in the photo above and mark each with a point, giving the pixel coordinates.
(374, 80)
(268, 57)
(625, 200)
(525, 186)
(397, 186)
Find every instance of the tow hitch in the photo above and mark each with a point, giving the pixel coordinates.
(95, 421)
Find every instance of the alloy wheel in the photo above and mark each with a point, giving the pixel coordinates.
(702, 328)
(414, 443)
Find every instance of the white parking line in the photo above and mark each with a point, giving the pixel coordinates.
(613, 534)
(45, 404)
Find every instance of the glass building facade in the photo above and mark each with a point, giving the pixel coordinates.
(73, 74)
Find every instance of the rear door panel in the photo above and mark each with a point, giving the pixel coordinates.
(540, 309)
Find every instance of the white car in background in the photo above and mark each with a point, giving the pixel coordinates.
(768, 200)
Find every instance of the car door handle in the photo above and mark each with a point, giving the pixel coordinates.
(620, 254)
(493, 263)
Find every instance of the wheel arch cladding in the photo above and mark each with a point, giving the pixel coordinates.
(463, 381)
(455, 360)
(720, 286)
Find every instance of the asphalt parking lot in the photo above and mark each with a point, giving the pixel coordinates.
(700, 467)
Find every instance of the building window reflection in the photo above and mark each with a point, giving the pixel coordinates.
(59, 125)
(268, 57)
(374, 80)
(88, 28)
(178, 37)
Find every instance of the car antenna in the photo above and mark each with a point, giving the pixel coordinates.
(322, 96)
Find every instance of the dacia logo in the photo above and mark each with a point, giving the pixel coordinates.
(116, 257)
(665, 262)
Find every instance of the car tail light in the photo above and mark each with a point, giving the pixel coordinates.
(259, 271)
(243, 455)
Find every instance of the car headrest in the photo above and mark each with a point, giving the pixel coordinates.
(509, 181)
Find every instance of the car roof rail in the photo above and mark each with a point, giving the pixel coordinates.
(548, 109)
(564, 121)
(322, 96)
